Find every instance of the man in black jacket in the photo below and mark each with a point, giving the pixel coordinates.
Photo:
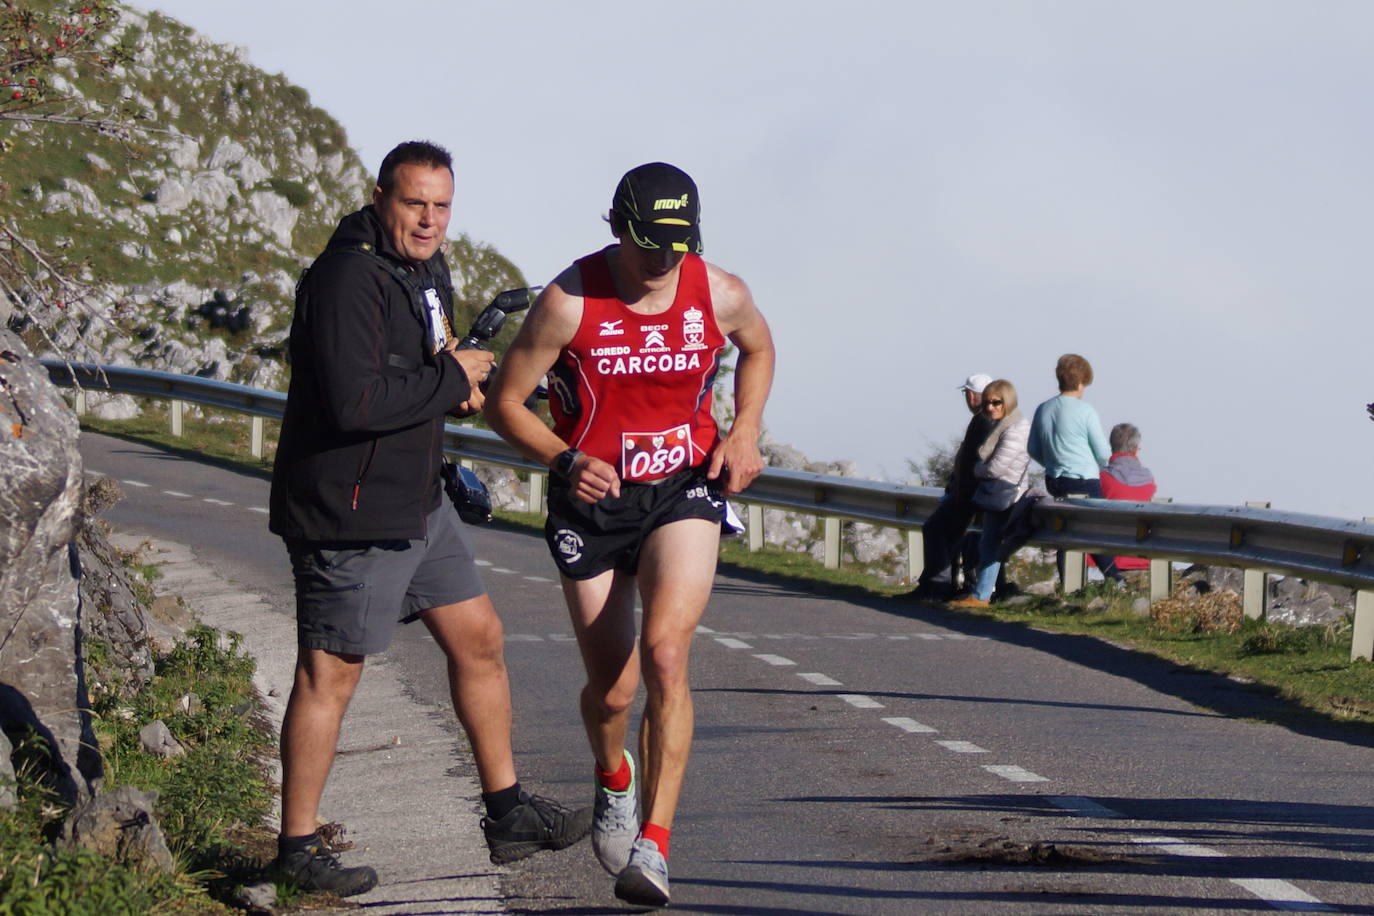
(944, 531)
(358, 499)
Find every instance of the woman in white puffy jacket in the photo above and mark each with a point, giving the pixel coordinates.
(1001, 472)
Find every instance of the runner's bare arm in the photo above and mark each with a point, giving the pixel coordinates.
(737, 454)
(552, 322)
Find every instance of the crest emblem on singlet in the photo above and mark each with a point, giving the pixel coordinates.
(693, 329)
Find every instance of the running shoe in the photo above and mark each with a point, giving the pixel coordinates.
(615, 823)
(315, 868)
(644, 882)
(536, 824)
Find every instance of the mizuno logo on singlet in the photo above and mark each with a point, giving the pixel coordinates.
(671, 203)
(612, 328)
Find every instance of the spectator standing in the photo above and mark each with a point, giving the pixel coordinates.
(1066, 438)
(943, 532)
(1125, 477)
(357, 498)
(1001, 473)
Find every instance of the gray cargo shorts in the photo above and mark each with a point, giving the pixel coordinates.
(350, 596)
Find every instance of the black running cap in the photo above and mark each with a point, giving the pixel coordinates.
(660, 206)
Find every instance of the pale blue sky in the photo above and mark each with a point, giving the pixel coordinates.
(1180, 191)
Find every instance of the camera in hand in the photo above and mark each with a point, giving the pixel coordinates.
(464, 488)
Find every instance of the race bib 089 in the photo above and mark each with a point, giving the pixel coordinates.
(651, 456)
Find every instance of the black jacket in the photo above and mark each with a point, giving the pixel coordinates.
(961, 482)
(361, 441)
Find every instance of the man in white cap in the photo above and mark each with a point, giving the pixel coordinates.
(945, 528)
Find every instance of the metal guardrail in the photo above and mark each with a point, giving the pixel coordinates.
(1259, 540)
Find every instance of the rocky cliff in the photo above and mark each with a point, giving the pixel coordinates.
(192, 225)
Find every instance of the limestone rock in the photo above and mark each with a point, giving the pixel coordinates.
(119, 825)
(275, 214)
(41, 672)
(172, 196)
(185, 153)
(157, 740)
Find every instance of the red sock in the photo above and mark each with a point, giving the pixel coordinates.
(618, 781)
(658, 834)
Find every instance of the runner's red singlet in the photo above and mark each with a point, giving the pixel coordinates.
(635, 390)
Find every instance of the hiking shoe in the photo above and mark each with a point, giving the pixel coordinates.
(537, 823)
(970, 601)
(315, 868)
(615, 823)
(644, 882)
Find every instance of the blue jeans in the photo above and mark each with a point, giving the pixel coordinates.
(988, 566)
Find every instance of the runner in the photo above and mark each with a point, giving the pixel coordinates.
(631, 338)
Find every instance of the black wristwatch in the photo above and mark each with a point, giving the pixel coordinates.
(563, 464)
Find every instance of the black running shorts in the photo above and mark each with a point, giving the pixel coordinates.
(586, 539)
(351, 596)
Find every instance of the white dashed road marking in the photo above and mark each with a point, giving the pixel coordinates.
(732, 643)
(134, 483)
(1282, 895)
(482, 562)
(259, 509)
(702, 629)
(962, 747)
(910, 725)
(776, 660)
(859, 701)
(177, 493)
(820, 680)
(537, 579)
(1014, 773)
(1083, 807)
(1274, 891)
(501, 569)
(216, 502)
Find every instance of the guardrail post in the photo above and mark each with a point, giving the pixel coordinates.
(754, 524)
(915, 554)
(79, 404)
(832, 542)
(257, 437)
(1362, 640)
(1161, 571)
(1075, 570)
(536, 498)
(178, 409)
(1256, 595)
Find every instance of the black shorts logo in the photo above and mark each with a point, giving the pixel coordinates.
(569, 545)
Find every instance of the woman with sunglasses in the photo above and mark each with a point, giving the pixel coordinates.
(1001, 474)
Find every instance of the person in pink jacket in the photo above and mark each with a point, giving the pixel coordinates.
(1125, 477)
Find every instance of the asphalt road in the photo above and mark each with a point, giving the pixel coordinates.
(857, 755)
